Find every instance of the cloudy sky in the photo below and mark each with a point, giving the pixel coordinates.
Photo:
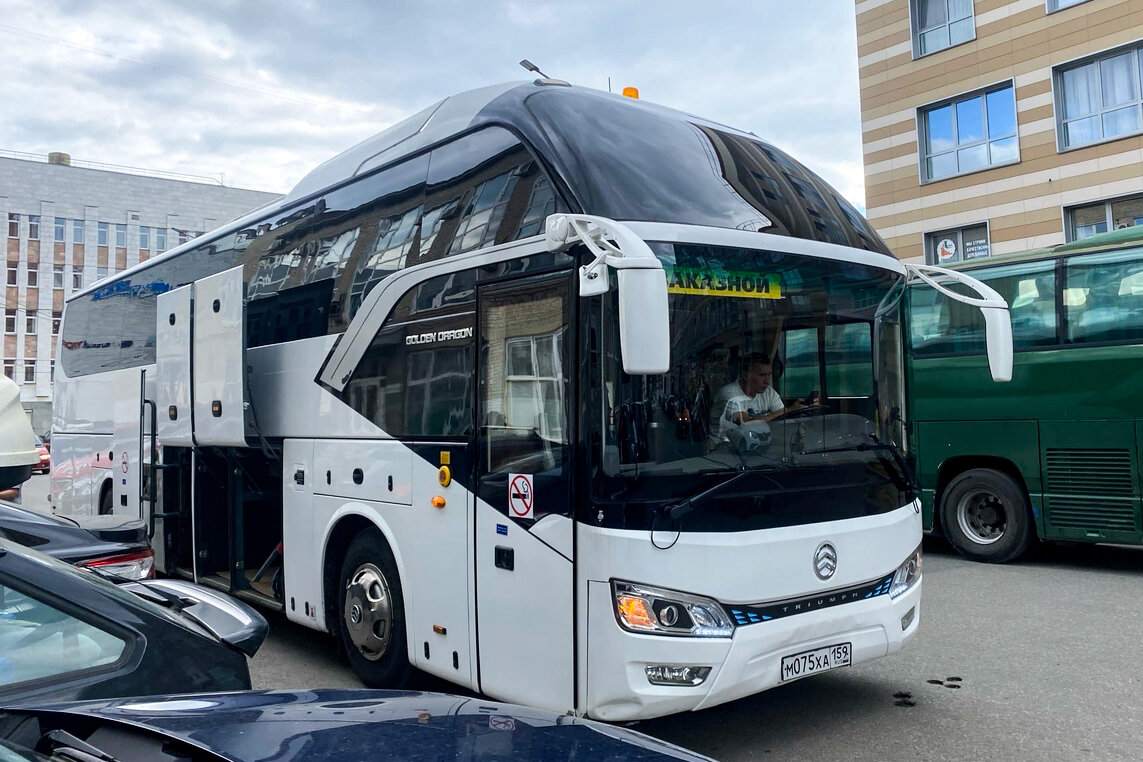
(259, 92)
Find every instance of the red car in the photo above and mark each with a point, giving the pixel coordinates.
(45, 464)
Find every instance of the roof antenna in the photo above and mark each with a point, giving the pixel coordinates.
(532, 67)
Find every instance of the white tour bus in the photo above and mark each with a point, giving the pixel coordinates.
(458, 399)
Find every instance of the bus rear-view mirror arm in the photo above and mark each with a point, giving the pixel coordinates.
(644, 334)
(997, 322)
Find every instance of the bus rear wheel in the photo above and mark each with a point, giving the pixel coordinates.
(986, 516)
(371, 613)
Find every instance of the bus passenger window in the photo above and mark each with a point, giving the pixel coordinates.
(483, 189)
(1104, 298)
(415, 380)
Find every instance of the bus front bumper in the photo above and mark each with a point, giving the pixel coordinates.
(747, 663)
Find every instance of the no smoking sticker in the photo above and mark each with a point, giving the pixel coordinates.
(520, 496)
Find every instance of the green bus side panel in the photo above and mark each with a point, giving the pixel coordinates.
(1091, 480)
(1085, 407)
(939, 442)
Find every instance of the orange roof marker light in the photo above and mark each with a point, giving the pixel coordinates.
(631, 92)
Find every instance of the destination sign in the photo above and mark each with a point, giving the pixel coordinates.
(682, 280)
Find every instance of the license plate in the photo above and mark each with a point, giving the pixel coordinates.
(818, 660)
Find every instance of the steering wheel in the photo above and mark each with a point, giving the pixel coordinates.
(805, 412)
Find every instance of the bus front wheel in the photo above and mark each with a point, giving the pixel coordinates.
(372, 613)
(986, 516)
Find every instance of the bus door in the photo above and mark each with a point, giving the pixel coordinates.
(524, 528)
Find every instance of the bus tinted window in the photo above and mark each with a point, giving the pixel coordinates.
(1104, 297)
(483, 189)
(941, 326)
(415, 380)
(113, 326)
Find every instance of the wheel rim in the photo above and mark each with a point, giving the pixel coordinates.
(369, 612)
(982, 516)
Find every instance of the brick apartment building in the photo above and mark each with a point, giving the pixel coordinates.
(993, 126)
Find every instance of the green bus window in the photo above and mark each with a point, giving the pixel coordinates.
(941, 326)
(1104, 297)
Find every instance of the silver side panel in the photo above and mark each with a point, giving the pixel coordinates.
(173, 367)
(219, 359)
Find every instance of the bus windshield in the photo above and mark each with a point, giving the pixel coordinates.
(785, 368)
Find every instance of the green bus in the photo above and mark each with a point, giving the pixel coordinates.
(1056, 453)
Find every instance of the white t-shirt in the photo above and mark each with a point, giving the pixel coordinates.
(737, 401)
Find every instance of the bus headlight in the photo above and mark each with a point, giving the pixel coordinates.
(907, 574)
(654, 611)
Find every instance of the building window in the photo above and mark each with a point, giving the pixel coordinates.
(77, 231)
(102, 240)
(13, 225)
(13, 274)
(29, 371)
(1059, 5)
(969, 133)
(76, 279)
(33, 227)
(56, 316)
(1093, 219)
(121, 236)
(1099, 98)
(100, 273)
(940, 24)
(61, 229)
(30, 323)
(9, 321)
(33, 275)
(10, 368)
(144, 238)
(957, 245)
(160, 239)
(57, 276)
(184, 235)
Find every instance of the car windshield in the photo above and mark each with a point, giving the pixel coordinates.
(781, 365)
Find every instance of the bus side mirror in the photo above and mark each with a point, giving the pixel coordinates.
(997, 321)
(644, 325)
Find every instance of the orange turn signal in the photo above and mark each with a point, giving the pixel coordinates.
(635, 612)
(631, 92)
(438, 502)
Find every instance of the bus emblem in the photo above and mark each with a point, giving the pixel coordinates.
(825, 561)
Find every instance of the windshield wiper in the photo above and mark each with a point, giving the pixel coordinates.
(900, 472)
(675, 511)
(64, 745)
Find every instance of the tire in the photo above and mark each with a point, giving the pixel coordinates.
(371, 613)
(986, 516)
(105, 501)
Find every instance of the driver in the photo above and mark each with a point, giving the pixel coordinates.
(751, 397)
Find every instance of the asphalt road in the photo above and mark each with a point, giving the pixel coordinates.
(1047, 652)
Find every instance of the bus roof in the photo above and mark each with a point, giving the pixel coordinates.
(614, 156)
(1124, 238)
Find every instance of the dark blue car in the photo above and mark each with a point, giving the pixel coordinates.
(321, 726)
(67, 633)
